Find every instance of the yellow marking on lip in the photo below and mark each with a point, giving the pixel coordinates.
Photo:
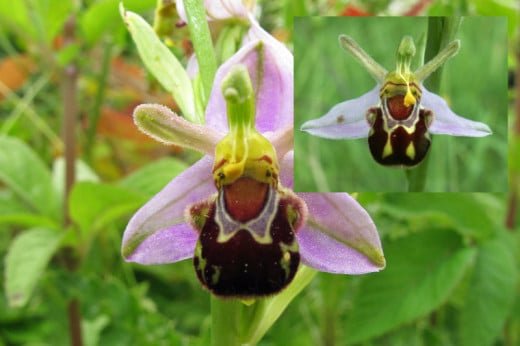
(409, 99)
(387, 150)
(410, 151)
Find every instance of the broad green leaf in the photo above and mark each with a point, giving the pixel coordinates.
(10, 204)
(422, 271)
(26, 219)
(103, 17)
(22, 171)
(13, 211)
(25, 262)
(162, 64)
(468, 214)
(491, 293)
(94, 205)
(153, 177)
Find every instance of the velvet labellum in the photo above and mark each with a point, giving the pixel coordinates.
(399, 126)
(247, 239)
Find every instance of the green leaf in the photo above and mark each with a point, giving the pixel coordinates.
(163, 65)
(491, 293)
(27, 220)
(202, 43)
(422, 271)
(25, 262)
(10, 204)
(27, 176)
(102, 17)
(13, 211)
(92, 329)
(68, 54)
(153, 177)
(92, 205)
(464, 211)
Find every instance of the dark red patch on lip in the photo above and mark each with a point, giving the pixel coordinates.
(397, 108)
(245, 198)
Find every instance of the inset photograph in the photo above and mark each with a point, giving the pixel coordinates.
(400, 104)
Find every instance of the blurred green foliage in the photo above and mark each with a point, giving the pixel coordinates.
(474, 84)
(452, 276)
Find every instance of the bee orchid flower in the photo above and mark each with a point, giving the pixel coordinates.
(234, 211)
(399, 113)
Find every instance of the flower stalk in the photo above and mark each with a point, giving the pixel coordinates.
(202, 44)
(70, 115)
(236, 322)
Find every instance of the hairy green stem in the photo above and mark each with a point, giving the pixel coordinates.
(201, 38)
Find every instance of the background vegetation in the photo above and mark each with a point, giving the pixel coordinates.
(452, 274)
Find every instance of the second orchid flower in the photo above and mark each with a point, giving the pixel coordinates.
(399, 113)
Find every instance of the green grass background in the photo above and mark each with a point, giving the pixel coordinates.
(474, 84)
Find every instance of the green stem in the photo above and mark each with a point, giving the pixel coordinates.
(331, 295)
(235, 323)
(441, 31)
(267, 310)
(225, 321)
(201, 38)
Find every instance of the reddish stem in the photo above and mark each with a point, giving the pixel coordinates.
(511, 216)
(70, 110)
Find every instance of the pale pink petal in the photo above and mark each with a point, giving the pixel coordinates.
(193, 66)
(445, 122)
(225, 9)
(346, 119)
(287, 170)
(340, 236)
(272, 78)
(282, 140)
(218, 9)
(168, 245)
(162, 218)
